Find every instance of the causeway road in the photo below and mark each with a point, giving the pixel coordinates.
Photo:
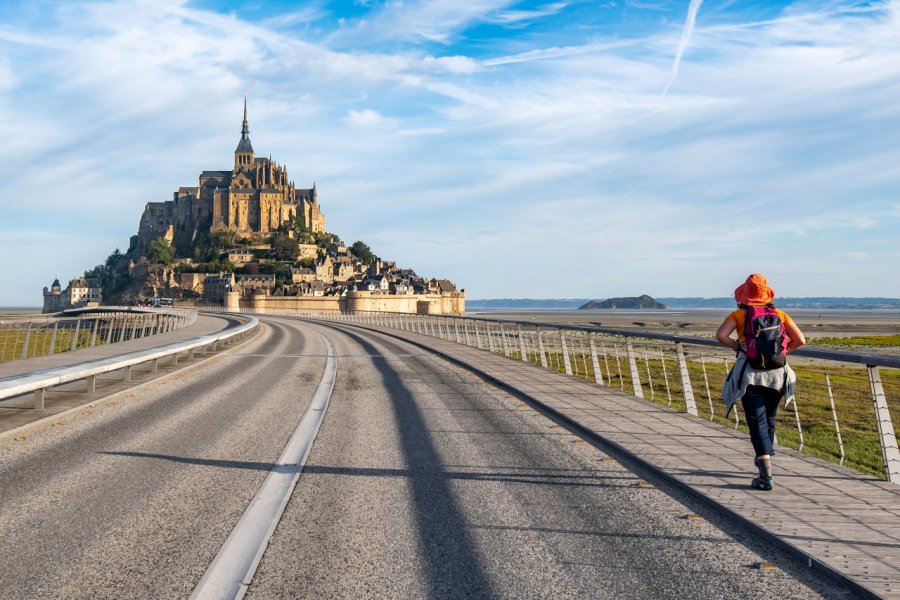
(423, 482)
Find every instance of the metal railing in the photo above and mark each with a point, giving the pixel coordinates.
(40, 381)
(46, 336)
(841, 412)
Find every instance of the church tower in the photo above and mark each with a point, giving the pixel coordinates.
(243, 154)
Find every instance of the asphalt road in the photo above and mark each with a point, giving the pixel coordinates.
(423, 482)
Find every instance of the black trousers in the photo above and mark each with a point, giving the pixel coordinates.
(760, 407)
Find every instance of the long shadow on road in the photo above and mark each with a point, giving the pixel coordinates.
(452, 565)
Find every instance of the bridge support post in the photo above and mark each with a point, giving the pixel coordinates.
(689, 403)
(91, 384)
(632, 365)
(127, 376)
(154, 365)
(39, 399)
(889, 450)
(598, 374)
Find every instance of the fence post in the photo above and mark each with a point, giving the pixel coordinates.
(504, 341)
(837, 426)
(522, 343)
(632, 365)
(889, 450)
(565, 352)
(94, 332)
(39, 399)
(598, 375)
(25, 348)
(541, 349)
(689, 404)
(53, 337)
(490, 337)
(75, 337)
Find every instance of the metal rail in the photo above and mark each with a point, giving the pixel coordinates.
(86, 328)
(39, 382)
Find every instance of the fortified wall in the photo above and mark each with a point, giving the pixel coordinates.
(446, 303)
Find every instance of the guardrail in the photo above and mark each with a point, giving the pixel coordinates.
(39, 382)
(46, 336)
(841, 413)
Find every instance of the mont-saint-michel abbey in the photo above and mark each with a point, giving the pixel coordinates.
(249, 238)
(254, 198)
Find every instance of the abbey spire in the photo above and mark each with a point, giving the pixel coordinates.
(243, 154)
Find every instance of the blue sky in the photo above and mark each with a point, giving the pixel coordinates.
(521, 149)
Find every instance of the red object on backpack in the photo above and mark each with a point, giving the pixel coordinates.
(764, 337)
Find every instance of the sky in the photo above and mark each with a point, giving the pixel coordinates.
(539, 149)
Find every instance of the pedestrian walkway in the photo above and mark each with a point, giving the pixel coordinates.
(204, 325)
(838, 519)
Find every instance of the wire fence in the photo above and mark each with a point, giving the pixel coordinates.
(42, 337)
(843, 411)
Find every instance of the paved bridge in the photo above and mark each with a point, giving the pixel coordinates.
(364, 459)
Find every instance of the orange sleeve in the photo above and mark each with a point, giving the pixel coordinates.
(737, 317)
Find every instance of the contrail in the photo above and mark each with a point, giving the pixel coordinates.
(686, 34)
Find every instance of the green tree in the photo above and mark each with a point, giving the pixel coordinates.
(284, 247)
(361, 250)
(161, 251)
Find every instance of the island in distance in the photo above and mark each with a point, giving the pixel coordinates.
(630, 302)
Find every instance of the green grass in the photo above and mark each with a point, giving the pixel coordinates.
(878, 341)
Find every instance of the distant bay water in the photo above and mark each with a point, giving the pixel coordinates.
(723, 302)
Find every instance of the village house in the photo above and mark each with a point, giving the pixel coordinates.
(215, 286)
(240, 257)
(250, 283)
(302, 275)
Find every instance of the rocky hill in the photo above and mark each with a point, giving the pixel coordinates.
(630, 302)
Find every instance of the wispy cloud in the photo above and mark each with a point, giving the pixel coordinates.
(510, 17)
(686, 34)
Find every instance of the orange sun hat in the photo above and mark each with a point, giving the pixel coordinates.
(755, 291)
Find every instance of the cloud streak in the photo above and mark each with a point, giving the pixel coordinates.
(686, 33)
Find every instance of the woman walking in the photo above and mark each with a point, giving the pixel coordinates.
(760, 376)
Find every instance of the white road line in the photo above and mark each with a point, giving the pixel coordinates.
(231, 571)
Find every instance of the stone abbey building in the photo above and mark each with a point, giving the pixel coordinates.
(252, 199)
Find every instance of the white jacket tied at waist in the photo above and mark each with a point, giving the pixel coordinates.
(743, 375)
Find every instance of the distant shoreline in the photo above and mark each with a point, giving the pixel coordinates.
(812, 303)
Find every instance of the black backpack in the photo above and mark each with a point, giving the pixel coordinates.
(764, 337)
